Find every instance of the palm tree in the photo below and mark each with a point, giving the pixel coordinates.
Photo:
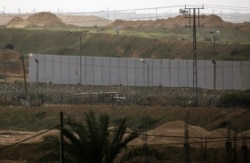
(90, 141)
(142, 154)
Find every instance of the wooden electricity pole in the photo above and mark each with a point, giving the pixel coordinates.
(24, 77)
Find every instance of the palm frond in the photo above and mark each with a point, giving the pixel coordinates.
(90, 141)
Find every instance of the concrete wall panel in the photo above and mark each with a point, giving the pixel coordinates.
(89, 71)
(123, 71)
(237, 75)
(166, 73)
(141, 73)
(65, 70)
(228, 75)
(219, 75)
(209, 75)
(48, 68)
(73, 70)
(156, 72)
(245, 75)
(57, 69)
(174, 73)
(106, 68)
(114, 71)
(98, 75)
(133, 72)
(201, 73)
(183, 73)
(190, 73)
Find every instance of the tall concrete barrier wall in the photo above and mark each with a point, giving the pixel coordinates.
(88, 70)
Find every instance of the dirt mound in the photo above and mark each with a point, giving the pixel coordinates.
(5, 18)
(218, 133)
(42, 19)
(84, 21)
(224, 119)
(214, 21)
(175, 22)
(173, 132)
(159, 23)
(178, 21)
(136, 141)
(244, 26)
(14, 22)
(11, 136)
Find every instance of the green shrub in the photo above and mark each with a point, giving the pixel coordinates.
(241, 99)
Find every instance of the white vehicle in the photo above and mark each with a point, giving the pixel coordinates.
(114, 97)
(107, 97)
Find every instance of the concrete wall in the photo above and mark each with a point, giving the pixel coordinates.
(87, 70)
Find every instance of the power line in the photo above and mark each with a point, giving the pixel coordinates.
(227, 7)
(155, 11)
(28, 138)
(214, 139)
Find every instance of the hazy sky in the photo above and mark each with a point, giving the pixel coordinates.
(98, 5)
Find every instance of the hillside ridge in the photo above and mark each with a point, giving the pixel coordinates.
(49, 19)
(42, 19)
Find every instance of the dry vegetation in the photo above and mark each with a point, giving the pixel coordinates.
(161, 120)
(164, 121)
(165, 125)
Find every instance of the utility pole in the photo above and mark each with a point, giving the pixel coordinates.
(193, 14)
(215, 34)
(24, 76)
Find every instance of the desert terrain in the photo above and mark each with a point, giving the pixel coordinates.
(23, 127)
(165, 126)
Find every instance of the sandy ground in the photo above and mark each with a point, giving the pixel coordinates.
(171, 133)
